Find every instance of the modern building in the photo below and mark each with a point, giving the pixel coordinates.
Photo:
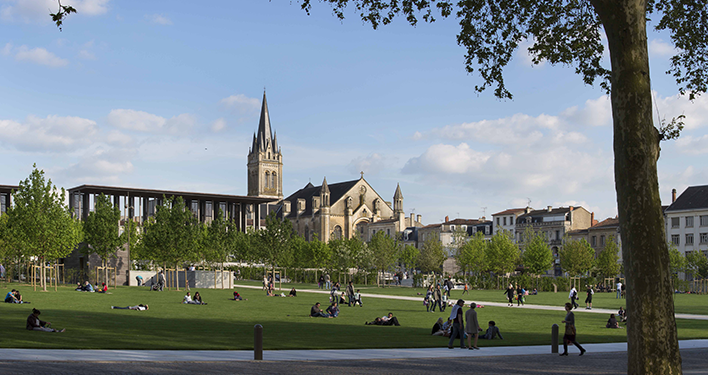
(6, 197)
(687, 220)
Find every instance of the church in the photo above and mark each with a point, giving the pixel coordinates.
(329, 211)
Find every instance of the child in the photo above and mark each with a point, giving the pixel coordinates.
(357, 298)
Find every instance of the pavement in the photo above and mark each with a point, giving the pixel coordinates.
(495, 304)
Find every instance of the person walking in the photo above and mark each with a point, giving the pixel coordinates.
(458, 325)
(619, 290)
(327, 281)
(573, 295)
(350, 294)
(466, 290)
(510, 295)
(570, 332)
(428, 300)
(472, 328)
(588, 299)
(437, 296)
(520, 291)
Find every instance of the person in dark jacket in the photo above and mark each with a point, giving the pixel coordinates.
(34, 324)
(570, 332)
(510, 295)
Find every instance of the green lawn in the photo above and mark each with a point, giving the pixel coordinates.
(226, 324)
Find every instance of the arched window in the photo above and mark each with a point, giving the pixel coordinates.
(274, 181)
(337, 234)
(307, 233)
(267, 180)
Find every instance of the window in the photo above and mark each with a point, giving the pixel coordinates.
(704, 220)
(274, 181)
(689, 239)
(388, 231)
(511, 220)
(464, 227)
(675, 222)
(704, 238)
(452, 228)
(266, 183)
(337, 233)
(602, 240)
(558, 235)
(504, 220)
(222, 207)
(689, 221)
(675, 239)
(594, 241)
(3, 206)
(207, 210)
(498, 221)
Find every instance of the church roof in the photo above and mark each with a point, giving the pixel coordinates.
(337, 191)
(264, 137)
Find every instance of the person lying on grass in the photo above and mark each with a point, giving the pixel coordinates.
(316, 312)
(139, 307)
(34, 324)
(387, 320)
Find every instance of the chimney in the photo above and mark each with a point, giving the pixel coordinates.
(673, 195)
(528, 209)
(549, 208)
(412, 219)
(592, 218)
(447, 218)
(483, 218)
(419, 218)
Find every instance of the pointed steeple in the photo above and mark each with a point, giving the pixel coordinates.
(324, 193)
(265, 134)
(398, 201)
(253, 146)
(398, 194)
(275, 142)
(325, 187)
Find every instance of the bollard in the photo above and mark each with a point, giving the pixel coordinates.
(258, 342)
(554, 338)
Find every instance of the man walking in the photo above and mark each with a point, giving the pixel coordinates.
(161, 280)
(619, 290)
(350, 294)
(437, 295)
(458, 325)
(573, 295)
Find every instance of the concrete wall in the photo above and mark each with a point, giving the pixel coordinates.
(197, 279)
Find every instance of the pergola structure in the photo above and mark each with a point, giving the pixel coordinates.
(142, 203)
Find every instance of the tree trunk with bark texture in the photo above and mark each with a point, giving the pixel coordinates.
(652, 342)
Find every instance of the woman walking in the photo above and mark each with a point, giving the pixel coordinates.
(510, 295)
(569, 336)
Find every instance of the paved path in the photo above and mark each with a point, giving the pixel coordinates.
(71, 355)
(495, 304)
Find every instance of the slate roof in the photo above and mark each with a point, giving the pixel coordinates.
(552, 212)
(510, 211)
(336, 192)
(607, 223)
(694, 197)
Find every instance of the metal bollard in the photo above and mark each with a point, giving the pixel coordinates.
(258, 342)
(554, 338)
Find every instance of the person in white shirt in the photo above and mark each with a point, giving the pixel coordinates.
(619, 290)
(573, 295)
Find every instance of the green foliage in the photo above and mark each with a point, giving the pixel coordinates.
(677, 261)
(409, 256)
(39, 223)
(384, 250)
(607, 261)
(319, 253)
(471, 256)
(274, 242)
(502, 254)
(101, 232)
(174, 235)
(61, 14)
(697, 264)
(576, 256)
(537, 256)
(432, 256)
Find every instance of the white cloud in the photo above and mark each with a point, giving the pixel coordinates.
(596, 112)
(447, 159)
(86, 55)
(7, 50)
(116, 137)
(525, 56)
(35, 55)
(50, 134)
(38, 10)
(159, 19)
(693, 145)
(659, 48)
(218, 125)
(241, 103)
(696, 112)
(130, 119)
(100, 165)
(372, 164)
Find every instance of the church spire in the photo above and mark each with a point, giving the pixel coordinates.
(398, 200)
(265, 134)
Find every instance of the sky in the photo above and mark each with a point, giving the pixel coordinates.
(166, 95)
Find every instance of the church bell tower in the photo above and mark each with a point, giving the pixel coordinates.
(265, 161)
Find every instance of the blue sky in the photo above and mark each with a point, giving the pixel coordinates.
(166, 95)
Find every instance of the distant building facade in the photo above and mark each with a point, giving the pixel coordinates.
(687, 220)
(506, 220)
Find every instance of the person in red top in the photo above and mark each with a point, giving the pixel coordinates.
(34, 324)
(104, 288)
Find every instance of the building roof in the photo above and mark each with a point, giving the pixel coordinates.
(7, 189)
(694, 197)
(137, 192)
(337, 191)
(510, 211)
(265, 133)
(552, 212)
(611, 222)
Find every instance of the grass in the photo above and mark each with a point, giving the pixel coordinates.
(228, 325)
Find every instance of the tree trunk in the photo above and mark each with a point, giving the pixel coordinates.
(652, 342)
(44, 276)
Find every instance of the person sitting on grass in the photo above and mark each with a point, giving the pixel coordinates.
(612, 322)
(316, 312)
(357, 298)
(198, 299)
(237, 297)
(333, 310)
(293, 293)
(34, 324)
(79, 287)
(269, 291)
(492, 332)
(139, 307)
(437, 328)
(87, 287)
(10, 297)
(622, 314)
(388, 320)
(188, 299)
(104, 288)
(18, 297)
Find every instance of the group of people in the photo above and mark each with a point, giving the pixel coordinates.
(386, 320)
(573, 295)
(324, 282)
(87, 287)
(196, 300)
(14, 296)
(350, 298)
(460, 330)
(518, 293)
(444, 328)
(436, 297)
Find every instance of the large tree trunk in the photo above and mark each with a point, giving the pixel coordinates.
(652, 342)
